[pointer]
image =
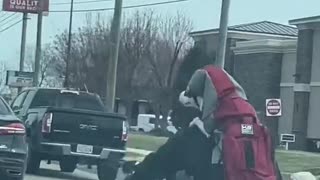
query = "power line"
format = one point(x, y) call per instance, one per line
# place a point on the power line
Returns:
point(126, 7)
point(81, 2)
point(8, 17)
point(2, 23)
point(12, 25)
point(2, 14)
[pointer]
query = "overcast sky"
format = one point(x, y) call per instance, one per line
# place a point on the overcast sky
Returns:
point(204, 14)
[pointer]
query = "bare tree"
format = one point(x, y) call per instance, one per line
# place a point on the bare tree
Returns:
point(151, 50)
point(169, 47)
point(165, 55)
point(89, 52)
point(49, 66)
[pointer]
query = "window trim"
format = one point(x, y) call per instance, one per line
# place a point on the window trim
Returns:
point(93, 97)
point(28, 93)
point(20, 106)
point(6, 105)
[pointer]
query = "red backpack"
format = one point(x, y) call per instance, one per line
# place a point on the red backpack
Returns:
point(247, 151)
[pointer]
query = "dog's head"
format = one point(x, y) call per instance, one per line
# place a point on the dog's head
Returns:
point(191, 101)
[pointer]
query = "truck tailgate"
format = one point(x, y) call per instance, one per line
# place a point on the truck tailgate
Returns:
point(86, 127)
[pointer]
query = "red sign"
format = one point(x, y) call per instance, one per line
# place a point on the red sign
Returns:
point(27, 6)
point(273, 107)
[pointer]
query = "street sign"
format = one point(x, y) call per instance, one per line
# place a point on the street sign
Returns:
point(19, 79)
point(287, 138)
point(273, 107)
point(26, 6)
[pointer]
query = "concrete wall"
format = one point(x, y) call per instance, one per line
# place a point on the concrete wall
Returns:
point(289, 61)
point(260, 74)
point(261, 67)
point(208, 42)
point(314, 104)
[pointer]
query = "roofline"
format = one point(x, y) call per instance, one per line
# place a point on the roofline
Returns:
point(306, 20)
point(265, 45)
point(216, 31)
point(204, 31)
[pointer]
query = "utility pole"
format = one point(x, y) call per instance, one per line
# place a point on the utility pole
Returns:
point(66, 80)
point(38, 49)
point(23, 42)
point(223, 32)
point(113, 59)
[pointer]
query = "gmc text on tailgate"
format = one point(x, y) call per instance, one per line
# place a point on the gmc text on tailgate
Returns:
point(71, 127)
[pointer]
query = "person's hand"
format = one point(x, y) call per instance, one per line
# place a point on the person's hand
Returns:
point(199, 123)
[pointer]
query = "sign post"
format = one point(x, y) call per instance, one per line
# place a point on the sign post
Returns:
point(19, 78)
point(273, 107)
point(287, 138)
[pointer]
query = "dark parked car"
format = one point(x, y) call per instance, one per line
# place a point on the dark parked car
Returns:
point(71, 127)
point(13, 146)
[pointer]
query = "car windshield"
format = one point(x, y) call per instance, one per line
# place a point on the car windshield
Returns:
point(55, 98)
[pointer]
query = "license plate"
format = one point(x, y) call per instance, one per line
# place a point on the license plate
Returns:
point(84, 149)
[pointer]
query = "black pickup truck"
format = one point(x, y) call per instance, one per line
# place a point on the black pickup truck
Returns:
point(69, 127)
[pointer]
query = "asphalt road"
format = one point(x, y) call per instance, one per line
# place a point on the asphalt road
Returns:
point(52, 172)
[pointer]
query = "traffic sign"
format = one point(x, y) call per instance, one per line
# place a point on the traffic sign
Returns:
point(26, 6)
point(19, 79)
point(287, 138)
point(273, 107)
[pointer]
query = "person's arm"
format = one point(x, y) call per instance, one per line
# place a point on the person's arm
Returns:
point(188, 150)
point(167, 160)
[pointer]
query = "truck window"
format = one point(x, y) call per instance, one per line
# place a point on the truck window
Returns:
point(152, 120)
point(4, 109)
point(17, 103)
point(54, 98)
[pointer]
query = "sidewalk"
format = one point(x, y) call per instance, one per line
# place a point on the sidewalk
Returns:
point(138, 151)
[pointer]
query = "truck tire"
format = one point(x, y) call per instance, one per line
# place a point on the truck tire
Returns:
point(33, 162)
point(68, 164)
point(107, 171)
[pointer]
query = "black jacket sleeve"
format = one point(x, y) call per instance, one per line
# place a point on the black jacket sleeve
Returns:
point(188, 150)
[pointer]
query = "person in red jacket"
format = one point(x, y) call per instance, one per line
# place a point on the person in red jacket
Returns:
point(227, 128)
point(244, 145)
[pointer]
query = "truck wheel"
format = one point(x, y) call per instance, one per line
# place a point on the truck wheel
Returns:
point(68, 164)
point(33, 162)
point(107, 171)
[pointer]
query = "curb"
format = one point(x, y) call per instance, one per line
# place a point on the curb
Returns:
point(138, 151)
